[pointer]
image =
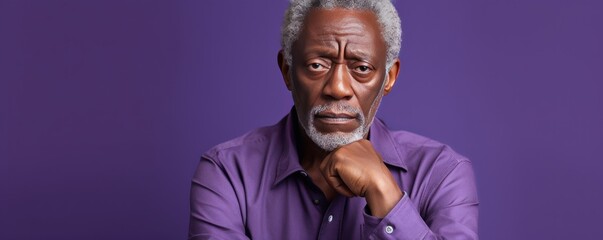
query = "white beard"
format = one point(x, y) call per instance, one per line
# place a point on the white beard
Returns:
point(331, 141)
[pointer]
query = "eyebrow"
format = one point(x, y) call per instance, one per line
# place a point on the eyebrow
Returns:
point(360, 54)
point(329, 52)
point(322, 51)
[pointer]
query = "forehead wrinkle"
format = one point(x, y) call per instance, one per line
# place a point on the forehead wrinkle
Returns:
point(348, 44)
point(333, 37)
point(358, 53)
point(349, 29)
point(342, 46)
point(321, 47)
point(328, 42)
point(340, 49)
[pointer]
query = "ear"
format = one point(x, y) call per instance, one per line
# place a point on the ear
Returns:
point(284, 67)
point(392, 75)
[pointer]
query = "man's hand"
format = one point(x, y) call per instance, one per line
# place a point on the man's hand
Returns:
point(357, 169)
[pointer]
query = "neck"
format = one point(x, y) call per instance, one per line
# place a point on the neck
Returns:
point(310, 158)
point(310, 154)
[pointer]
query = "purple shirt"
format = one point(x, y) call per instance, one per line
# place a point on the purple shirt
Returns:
point(253, 187)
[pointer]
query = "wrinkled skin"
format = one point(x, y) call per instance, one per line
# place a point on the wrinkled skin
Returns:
point(340, 56)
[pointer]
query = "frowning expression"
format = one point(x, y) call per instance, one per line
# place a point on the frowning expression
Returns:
point(338, 73)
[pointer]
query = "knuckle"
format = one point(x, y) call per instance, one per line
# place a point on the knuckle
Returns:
point(338, 154)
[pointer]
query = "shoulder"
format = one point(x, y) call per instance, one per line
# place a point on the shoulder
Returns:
point(435, 169)
point(254, 137)
point(414, 147)
point(256, 145)
point(423, 156)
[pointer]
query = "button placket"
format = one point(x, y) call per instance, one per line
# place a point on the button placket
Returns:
point(330, 227)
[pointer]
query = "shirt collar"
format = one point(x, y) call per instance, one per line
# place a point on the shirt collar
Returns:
point(288, 162)
point(384, 144)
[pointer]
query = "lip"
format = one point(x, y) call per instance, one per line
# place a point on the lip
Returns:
point(335, 118)
point(335, 115)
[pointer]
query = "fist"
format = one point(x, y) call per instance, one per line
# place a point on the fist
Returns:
point(357, 169)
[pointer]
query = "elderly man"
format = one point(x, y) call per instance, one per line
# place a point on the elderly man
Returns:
point(329, 169)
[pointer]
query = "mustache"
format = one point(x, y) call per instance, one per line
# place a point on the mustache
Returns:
point(338, 107)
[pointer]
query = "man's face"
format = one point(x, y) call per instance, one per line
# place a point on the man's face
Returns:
point(338, 75)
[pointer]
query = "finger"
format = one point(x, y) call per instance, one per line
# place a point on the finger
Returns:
point(336, 183)
point(329, 172)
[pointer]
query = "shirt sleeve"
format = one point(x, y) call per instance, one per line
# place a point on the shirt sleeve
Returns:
point(452, 212)
point(215, 212)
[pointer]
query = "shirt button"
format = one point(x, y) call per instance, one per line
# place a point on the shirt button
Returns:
point(330, 218)
point(389, 229)
point(304, 173)
point(316, 201)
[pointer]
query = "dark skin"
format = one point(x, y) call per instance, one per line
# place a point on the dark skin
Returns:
point(340, 56)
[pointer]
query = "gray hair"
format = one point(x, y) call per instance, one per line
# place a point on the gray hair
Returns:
point(386, 13)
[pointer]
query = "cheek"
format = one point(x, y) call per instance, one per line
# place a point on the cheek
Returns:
point(375, 106)
point(369, 105)
point(369, 98)
point(305, 92)
point(364, 91)
point(301, 99)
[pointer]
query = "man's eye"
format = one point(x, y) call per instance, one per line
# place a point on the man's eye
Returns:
point(363, 69)
point(316, 66)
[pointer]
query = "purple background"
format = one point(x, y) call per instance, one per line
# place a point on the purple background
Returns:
point(106, 107)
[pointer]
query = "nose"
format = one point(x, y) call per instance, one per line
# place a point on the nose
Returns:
point(338, 84)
